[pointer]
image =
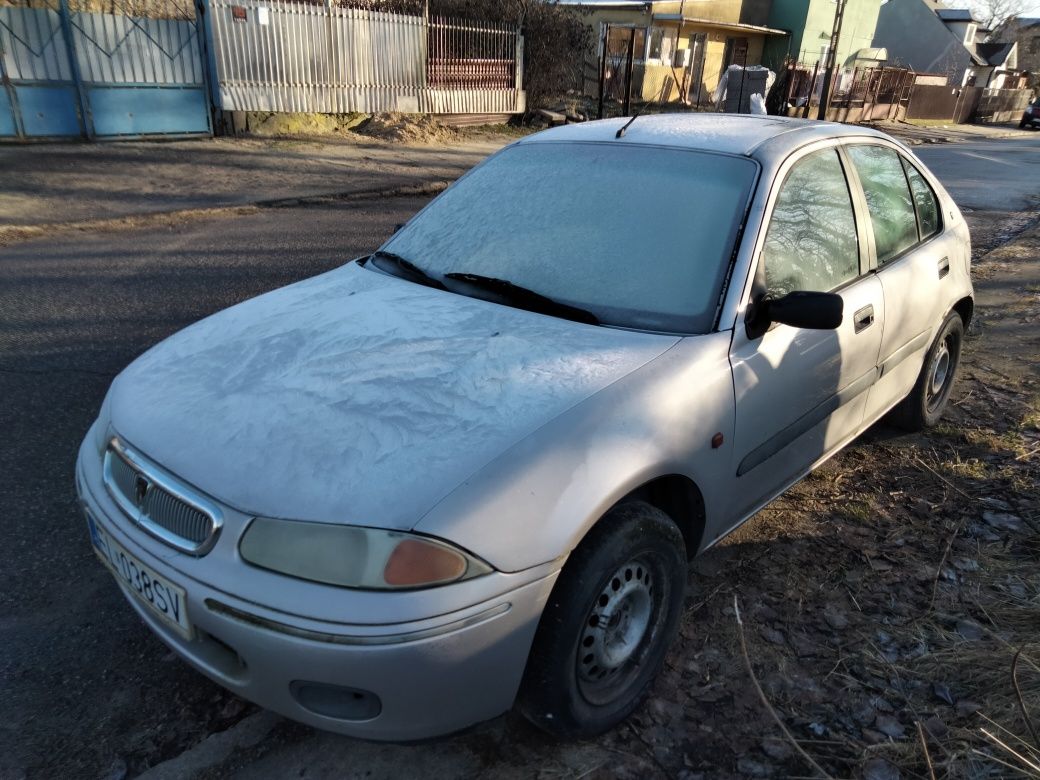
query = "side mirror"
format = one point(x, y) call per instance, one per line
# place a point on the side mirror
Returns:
point(810, 310)
point(398, 226)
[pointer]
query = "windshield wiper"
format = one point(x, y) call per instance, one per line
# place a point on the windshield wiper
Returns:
point(523, 298)
point(406, 269)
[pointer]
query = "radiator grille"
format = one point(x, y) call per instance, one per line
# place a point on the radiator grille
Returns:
point(154, 500)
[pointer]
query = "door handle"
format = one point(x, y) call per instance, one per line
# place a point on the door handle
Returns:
point(944, 267)
point(863, 318)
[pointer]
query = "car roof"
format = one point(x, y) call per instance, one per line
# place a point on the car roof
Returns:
point(746, 134)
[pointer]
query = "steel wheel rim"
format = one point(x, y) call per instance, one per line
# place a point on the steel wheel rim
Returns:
point(618, 629)
point(940, 374)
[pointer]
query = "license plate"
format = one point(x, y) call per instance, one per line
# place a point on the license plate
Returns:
point(167, 601)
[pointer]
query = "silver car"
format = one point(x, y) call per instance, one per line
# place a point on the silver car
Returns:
point(469, 470)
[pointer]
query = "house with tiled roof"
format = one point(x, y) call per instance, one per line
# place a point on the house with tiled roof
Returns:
point(930, 37)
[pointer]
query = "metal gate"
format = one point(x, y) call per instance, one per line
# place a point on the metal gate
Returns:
point(619, 79)
point(101, 69)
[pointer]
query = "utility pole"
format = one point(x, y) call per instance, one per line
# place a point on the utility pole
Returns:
point(832, 55)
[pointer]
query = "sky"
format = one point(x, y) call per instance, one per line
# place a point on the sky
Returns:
point(1029, 7)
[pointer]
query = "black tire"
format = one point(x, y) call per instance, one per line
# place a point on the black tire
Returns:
point(1022, 125)
point(927, 401)
point(632, 568)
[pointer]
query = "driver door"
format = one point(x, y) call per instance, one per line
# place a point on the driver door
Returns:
point(800, 394)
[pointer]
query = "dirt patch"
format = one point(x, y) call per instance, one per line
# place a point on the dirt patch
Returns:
point(393, 128)
point(408, 129)
point(993, 229)
point(282, 124)
point(13, 234)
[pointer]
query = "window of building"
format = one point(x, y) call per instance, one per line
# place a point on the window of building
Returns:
point(656, 39)
point(662, 41)
point(618, 41)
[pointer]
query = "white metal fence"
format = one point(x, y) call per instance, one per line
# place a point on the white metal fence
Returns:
point(274, 55)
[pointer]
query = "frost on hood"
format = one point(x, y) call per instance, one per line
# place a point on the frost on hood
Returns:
point(356, 397)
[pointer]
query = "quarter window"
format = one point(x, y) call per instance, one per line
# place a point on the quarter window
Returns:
point(811, 244)
point(888, 199)
point(924, 199)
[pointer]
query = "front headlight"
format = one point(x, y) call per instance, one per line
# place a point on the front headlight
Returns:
point(355, 557)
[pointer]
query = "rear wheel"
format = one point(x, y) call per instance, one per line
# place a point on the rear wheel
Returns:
point(927, 401)
point(608, 624)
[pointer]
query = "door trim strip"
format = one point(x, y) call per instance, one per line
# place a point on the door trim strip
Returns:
point(806, 422)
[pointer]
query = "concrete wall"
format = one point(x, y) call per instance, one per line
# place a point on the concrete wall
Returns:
point(916, 38)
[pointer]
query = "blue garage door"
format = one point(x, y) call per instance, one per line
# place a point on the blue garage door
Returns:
point(73, 70)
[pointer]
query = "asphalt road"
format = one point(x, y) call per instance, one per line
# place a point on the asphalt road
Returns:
point(988, 175)
point(86, 689)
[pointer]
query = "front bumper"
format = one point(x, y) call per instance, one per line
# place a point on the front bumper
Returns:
point(389, 680)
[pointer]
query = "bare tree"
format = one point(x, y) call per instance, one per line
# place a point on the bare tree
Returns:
point(995, 14)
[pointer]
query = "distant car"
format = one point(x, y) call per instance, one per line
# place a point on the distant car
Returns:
point(1031, 116)
point(469, 469)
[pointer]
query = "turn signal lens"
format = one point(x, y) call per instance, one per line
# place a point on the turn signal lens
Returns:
point(355, 557)
point(415, 562)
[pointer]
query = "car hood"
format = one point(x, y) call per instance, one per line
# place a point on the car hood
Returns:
point(358, 397)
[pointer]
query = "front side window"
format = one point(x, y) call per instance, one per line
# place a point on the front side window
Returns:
point(925, 200)
point(639, 236)
point(888, 199)
point(811, 244)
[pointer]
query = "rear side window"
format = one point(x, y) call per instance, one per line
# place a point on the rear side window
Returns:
point(811, 244)
point(925, 200)
point(888, 199)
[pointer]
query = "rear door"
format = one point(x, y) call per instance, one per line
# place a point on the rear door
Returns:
point(800, 393)
point(913, 256)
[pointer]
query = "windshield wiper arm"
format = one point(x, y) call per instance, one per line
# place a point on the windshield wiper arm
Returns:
point(406, 269)
point(526, 299)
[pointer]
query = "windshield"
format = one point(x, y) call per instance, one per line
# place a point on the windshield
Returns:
point(639, 236)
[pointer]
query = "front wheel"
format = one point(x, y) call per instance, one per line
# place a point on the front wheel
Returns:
point(927, 401)
point(608, 624)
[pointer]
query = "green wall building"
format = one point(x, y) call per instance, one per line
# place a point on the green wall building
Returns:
point(811, 22)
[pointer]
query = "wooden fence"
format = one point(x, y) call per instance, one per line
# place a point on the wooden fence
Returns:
point(856, 95)
point(964, 104)
point(881, 92)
